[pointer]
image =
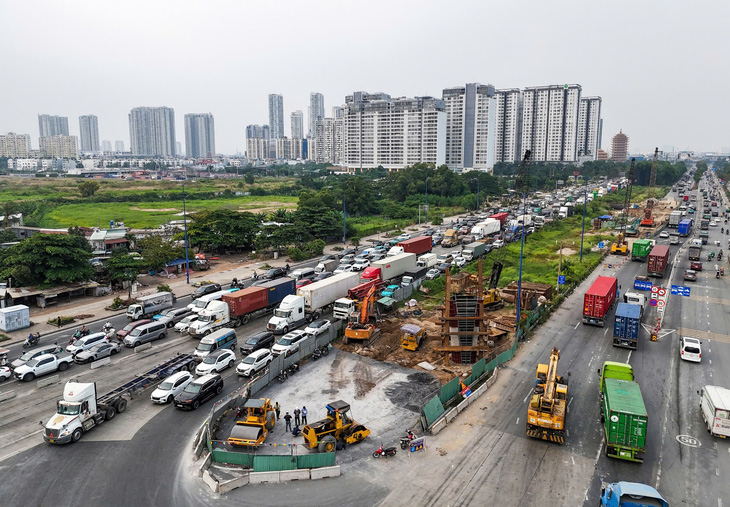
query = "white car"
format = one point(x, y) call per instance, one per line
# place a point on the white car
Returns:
point(456, 253)
point(360, 265)
point(254, 362)
point(170, 387)
point(172, 316)
point(432, 274)
point(342, 268)
point(664, 234)
point(184, 325)
point(690, 350)
point(289, 343)
point(216, 362)
point(404, 236)
point(713, 224)
point(460, 261)
point(5, 373)
point(498, 244)
point(318, 327)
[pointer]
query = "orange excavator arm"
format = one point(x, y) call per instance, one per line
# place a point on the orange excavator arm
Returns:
point(366, 304)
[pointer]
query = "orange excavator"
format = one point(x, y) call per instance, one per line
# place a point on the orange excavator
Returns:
point(359, 328)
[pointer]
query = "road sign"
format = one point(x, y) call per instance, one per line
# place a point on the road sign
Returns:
point(653, 302)
point(600, 244)
point(662, 291)
point(654, 289)
point(681, 290)
point(561, 280)
point(642, 285)
point(660, 303)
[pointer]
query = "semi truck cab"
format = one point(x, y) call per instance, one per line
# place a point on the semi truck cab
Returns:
point(289, 315)
point(74, 413)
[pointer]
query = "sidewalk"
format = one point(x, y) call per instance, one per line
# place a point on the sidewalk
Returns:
point(96, 307)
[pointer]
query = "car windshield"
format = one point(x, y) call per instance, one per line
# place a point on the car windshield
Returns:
point(206, 318)
point(210, 360)
point(200, 303)
point(204, 347)
point(26, 356)
point(316, 324)
point(192, 388)
point(249, 360)
point(285, 341)
point(165, 386)
point(32, 362)
point(136, 332)
point(129, 327)
point(65, 408)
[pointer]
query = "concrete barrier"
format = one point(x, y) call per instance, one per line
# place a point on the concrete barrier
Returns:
point(205, 464)
point(440, 424)
point(7, 395)
point(462, 406)
point(143, 347)
point(210, 481)
point(230, 485)
point(101, 362)
point(53, 379)
point(321, 473)
point(294, 475)
point(450, 415)
point(260, 477)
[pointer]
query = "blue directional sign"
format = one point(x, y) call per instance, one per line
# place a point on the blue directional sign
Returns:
point(680, 290)
point(600, 244)
point(561, 280)
point(642, 285)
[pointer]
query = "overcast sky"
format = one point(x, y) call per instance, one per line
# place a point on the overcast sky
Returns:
point(661, 66)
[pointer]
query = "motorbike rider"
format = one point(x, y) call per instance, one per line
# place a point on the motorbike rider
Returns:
point(84, 330)
point(255, 275)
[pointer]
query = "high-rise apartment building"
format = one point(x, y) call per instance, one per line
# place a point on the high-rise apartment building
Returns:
point(257, 142)
point(316, 110)
point(106, 146)
point(393, 133)
point(589, 127)
point(60, 146)
point(199, 135)
point(152, 131)
point(276, 115)
point(89, 128)
point(297, 125)
point(471, 114)
point(550, 122)
point(324, 145)
point(119, 146)
point(258, 131)
point(620, 147)
point(14, 145)
point(282, 148)
point(509, 125)
point(51, 125)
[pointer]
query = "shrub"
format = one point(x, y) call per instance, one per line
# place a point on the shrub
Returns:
point(65, 319)
point(163, 287)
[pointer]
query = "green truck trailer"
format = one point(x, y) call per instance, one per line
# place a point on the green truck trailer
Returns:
point(640, 250)
point(623, 413)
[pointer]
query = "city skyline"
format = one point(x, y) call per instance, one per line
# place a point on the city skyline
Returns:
point(636, 102)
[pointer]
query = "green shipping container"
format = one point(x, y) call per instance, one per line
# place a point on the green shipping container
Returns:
point(640, 249)
point(625, 420)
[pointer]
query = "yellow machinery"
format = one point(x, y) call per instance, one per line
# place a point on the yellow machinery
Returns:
point(337, 426)
point(547, 410)
point(648, 220)
point(260, 419)
point(621, 247)
point(412, 337)
point(361, 329)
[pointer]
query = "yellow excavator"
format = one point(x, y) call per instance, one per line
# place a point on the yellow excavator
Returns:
point(548, 403)
point(621, 246)
point(359, 328)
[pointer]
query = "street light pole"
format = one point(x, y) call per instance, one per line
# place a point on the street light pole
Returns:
point(426, 201)
point(583, 228)
point(478, 192)
point(185, 221)
point(522, 249)
point(344, 215)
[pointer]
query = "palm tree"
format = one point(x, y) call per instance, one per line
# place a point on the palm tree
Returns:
point(9, 208)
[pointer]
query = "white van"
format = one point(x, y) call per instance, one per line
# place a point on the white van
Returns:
point(690, 350)
point(201, 303)
point(427, 261)
point(86, 342)
point(300, 273)
point(396, 250)
point(715, 408)
point(222, 339)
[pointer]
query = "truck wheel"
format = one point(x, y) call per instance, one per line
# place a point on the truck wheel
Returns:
point(206, 333)
point(76, 435)
point(270, 420)
point(110, 413)
point(121, 405)
point(63, 367)
point(246, 319)
point(285, 330)
point(28, 377)
point(328, 444)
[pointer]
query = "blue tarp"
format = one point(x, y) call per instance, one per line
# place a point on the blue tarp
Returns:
point(605, 217)
point(177, 262)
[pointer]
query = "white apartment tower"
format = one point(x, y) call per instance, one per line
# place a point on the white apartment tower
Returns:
point(14, 145)
point(471, 114)
point(509, 125)
point(152, 131)
point(297, 125)
point(89, 128)
point(52, 125)
point(199, 135)
point(324, 149)
point(589, 127)
point(550, 122)
point(60, 146)
point(316, 110)
point(393, 133)
point(276, 115)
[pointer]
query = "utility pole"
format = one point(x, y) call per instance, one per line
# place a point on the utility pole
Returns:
point(185, 221)
point(344, 214)
point(426, 201)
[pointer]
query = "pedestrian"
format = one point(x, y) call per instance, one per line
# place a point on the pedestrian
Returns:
point(304, 415)
point(277, 408)
point(287, 418)
point(58, 321)
point(297, 412)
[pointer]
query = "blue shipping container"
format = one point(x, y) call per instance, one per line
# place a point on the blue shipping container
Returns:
point(626, 326)
point(279, 289)
point(684, 227)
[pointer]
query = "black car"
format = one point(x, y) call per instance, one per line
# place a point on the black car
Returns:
point(347, 251)
point(444, 266)
point(328, 257)
point(199, 391)
point(429, 232)
point(206, 289)
point(274, 273)
point(322, 276)
point(262, 340)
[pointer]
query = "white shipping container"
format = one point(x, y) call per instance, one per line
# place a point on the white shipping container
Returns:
point(13, 318)
point(325, 292)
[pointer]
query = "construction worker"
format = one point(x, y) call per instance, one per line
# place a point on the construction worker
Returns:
point(277, 409)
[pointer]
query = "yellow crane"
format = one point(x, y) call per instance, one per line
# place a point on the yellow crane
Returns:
point(548, 404)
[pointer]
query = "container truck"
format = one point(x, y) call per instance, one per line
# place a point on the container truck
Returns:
point(704, 224)
point(658, 261)
point(81, 408)
point(346, 306)
point(674, 218)
point(328, 265)
point(419, 245)
point(246, 302)
point(630, 494)
point(389, 268)
point(695, 250)
point(147, 306)
point(310, 301)
point(213, 317)
point(685, 227)
point(451, 239)
point(598, 300)
point(413, 276)
point(474, 251)
point(486, 228)
point(624, 419)
point(502, 217)
point(715, 409)
point(427, 261)
point(626, 325)
point(640, 250)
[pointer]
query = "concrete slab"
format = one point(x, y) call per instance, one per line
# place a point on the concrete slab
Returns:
point(427, 366)
point(101, 362)
point(226, 486)
point(450, 415)
point(7, 395)
point(321, 473)
point(294, 475)
point(462, 406)
point(441, 424)
point(143, 347)
point(210, 481)
point(53, 379)
point(205, 464)
point(261, 477)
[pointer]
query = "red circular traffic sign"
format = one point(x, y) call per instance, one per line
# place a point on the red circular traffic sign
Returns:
point(654, 288)
point(653, 302)
point(662, 292)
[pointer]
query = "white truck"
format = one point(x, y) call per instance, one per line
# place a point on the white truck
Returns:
point(635, 298)
point(42, 365)
point(715, 408)
point(81, 409)
point(328, 265)
point(147, 306)
point(427, 261)
point(486, 228)
point(674, 218)
point(310, 301)
point(213, 317)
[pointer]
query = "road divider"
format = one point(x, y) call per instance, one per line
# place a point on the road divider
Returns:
point(7, 395)
point(142, 348)
point(101, 362)
point(53, 379)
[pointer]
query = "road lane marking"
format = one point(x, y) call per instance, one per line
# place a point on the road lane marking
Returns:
point(528, 395)
point(517, 421)
point(576, 326)
point(606, 331)
point(573, 460)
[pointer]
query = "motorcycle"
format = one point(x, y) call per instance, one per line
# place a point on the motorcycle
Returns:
point(717, 274)
point(385, 452)
point(293, 368)
point(405, 442)
point(255, 276)
point(282, 376)
point(79, 333)
point(109, 331)
point(32, 340)
point(320, 351)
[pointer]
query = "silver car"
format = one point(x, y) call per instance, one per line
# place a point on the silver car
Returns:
point(97, 352)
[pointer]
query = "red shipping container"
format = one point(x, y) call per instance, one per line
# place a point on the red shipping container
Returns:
point(418, 246)
point(500, 216)
point(598, 300)
point(245, 301)
point(658, 261)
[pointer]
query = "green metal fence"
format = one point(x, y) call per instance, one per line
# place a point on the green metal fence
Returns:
point(432, 410)
point(449, 390)
point(318, 460)
point(233, 458)
point(274, 463)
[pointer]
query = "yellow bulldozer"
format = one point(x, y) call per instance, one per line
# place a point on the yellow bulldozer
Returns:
point(338, 426)
point(412, 336)
point(260, 419)
point(547, 410)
